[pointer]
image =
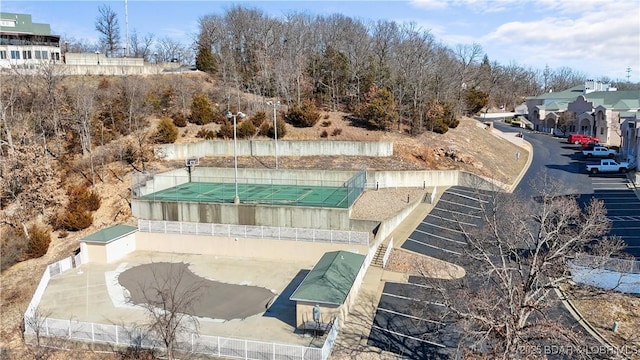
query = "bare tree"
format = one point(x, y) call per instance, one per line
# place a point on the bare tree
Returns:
point(39, 345)
point(83, 107)
point(564, 78)
point(141, 46)
point(28, 183)
point(8, 98)
point(109, 29)
point(169, 293)
point(169, 49)
point(515, 260)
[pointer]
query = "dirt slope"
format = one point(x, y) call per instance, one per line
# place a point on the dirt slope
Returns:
point(467, 147)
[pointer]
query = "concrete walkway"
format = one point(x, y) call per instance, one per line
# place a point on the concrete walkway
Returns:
point(352, 341)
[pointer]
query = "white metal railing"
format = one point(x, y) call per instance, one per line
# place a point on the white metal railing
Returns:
point(606, 263)
point(51, 270)
point(194, 343)
point(124, 336)
point(387, 253)
point(606, 273)
point(259, 232)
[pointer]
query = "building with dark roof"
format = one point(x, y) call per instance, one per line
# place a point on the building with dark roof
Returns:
point(24, 43)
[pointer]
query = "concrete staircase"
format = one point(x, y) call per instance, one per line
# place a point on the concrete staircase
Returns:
point(377, 258)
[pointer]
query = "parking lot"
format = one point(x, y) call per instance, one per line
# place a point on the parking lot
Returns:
point(409, 320)
point(623, 208)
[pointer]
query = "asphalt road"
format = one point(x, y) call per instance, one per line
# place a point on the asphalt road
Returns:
point(409, 320)
point(564, 164)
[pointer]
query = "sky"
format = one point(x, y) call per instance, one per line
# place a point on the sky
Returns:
point(599, 38)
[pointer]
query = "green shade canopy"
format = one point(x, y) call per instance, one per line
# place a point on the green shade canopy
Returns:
point(331, 279)
point(109, 234)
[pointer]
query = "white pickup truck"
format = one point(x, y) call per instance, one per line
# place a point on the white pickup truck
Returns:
point(599, 151)
point(607, 165)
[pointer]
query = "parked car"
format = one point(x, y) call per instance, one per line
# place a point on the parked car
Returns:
point(607, 165)
point(600, 151)
point(581, 139)
point(589, 145)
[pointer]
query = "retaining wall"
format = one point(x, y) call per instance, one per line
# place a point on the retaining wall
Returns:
point(242, 214)
point(427, 179)
point(252, 248)
point(245, 175)
point(267, 148)
point(266, 215)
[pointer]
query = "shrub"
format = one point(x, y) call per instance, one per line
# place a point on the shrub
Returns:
point(264, 129)
point(77, 215)
point(179, 120)
point(226, 131)
point(39, 240)
point(201, 110)
point(219, 118)
point(326, 124)
point(206, 134)
point(336, 132)
point(75, 220)
point(129, 154)
point(258, 118)
point(440, 127)
point(246, 129)
point(267, 129)
point(324, 134)
point(282, 129)
point(83, 198)
point(452, 122)
point(305, 116)
point(166, 132)
point(153, 102)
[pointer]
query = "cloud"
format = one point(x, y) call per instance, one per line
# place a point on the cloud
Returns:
point(430, 4)
point(601, 35)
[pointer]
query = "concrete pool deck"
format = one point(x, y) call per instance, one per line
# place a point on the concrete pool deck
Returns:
point(91, 293)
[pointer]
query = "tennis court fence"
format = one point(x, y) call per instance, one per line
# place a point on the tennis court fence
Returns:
point(292, 189)
point(256, 232)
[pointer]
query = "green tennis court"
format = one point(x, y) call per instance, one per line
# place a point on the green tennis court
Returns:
point(268, 194)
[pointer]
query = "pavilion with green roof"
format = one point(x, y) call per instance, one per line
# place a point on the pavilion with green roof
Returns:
point(108, 244)
point(329, 286)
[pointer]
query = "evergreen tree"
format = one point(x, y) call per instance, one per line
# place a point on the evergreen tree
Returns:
point(201, 110)
point(379, 109)
point(205, 60)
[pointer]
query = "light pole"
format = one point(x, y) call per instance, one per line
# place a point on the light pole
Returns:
point(98, 56)
point(275, 126)
point(236, 198)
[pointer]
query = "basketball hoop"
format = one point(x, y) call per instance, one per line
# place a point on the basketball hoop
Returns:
point(190, 163)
